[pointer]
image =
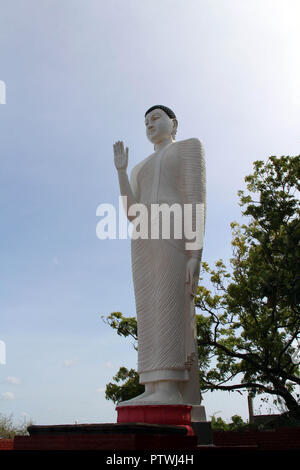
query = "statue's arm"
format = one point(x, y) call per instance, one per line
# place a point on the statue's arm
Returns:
point(121, 162)
point(194, 191)
point(194, 194)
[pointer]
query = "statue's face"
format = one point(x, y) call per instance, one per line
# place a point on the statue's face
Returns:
point(158, 126)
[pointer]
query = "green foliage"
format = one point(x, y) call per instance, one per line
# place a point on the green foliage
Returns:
point(130, 387)
point(250, 318)
point(9, 429)
point(237, 424)
point(125, 326)
point(218, 424)
point(126, 382)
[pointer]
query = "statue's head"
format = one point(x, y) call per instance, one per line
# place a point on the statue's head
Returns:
point(160, 123)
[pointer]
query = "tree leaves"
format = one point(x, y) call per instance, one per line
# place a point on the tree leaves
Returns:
point(252, 323)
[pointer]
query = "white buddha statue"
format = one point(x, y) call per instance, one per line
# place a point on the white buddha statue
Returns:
point(165, 272)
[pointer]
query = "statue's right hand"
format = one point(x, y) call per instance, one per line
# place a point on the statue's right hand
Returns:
point(121, 156)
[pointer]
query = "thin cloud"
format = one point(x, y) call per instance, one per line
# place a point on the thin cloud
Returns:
point(70, 362)
point(7, 396)
point(12, 380)
point(109, 364)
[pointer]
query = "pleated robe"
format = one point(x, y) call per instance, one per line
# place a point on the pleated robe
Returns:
point(167, 348)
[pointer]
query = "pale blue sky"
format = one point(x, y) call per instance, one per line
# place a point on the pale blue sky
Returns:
point(79, 76)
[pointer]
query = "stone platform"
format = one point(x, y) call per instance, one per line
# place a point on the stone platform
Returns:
point(109, 436)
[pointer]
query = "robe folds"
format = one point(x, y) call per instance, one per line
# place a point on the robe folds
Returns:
point(167, 348)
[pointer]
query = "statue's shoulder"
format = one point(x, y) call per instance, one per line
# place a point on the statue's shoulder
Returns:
point(194, 140)
point(193, 145)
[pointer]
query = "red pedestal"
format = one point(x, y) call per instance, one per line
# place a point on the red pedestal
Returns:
point(174, 415)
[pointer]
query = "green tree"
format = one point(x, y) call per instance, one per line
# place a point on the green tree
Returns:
point(129, 387)
point(126, 382)
point(9, 429)
point(237, 424)
point(218, 424)
point(248, 320)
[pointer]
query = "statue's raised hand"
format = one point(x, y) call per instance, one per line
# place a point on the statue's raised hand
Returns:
point(121, 156)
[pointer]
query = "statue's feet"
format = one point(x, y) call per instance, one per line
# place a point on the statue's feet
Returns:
point(149, 390)
point(163, 392)
point(166, 393)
